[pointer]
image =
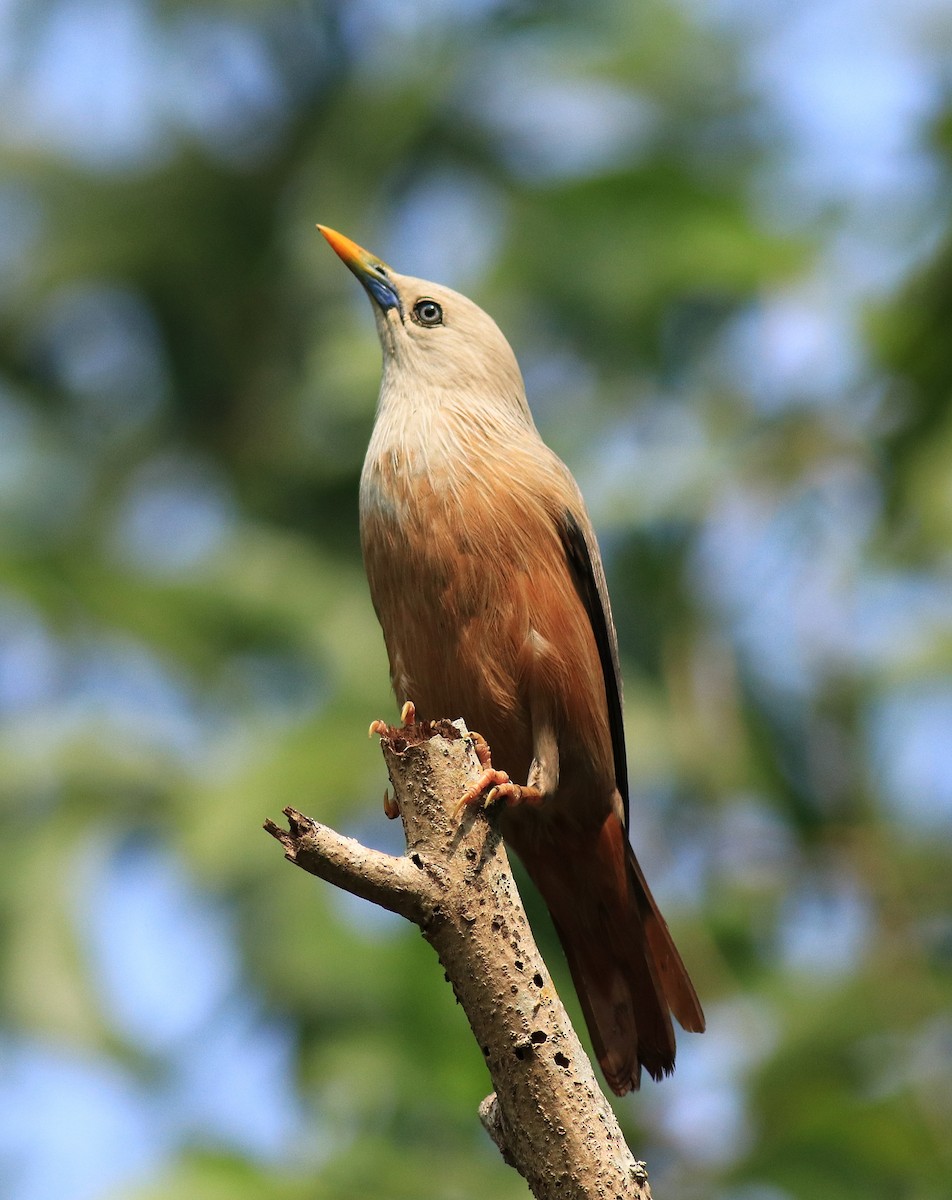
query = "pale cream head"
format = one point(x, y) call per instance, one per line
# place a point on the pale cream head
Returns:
point(434, 336)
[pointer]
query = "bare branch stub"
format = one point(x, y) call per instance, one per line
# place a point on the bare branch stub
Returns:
point(550, 1119)
point(396, 884)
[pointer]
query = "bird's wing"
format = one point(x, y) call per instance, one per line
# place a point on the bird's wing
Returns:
point(585, 564)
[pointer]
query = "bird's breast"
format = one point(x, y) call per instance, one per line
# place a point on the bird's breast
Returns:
point(480, 616)
point(446, 547)
point(426, 523)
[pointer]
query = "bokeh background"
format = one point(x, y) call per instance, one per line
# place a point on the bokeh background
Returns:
point(718, 236)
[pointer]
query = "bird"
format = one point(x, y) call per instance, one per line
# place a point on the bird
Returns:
point(487, 580)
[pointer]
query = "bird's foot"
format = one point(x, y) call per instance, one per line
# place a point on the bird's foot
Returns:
point(391, 806)
point(493, 787)
point(481, 746)
point(485, 791)
point(407, 720)
point(510, 793)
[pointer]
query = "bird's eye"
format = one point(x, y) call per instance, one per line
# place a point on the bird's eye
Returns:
point(427, 312)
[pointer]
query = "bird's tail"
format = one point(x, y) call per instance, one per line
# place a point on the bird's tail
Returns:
point(627, 971)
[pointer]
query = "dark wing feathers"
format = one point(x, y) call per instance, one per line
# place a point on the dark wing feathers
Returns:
point(589, 578)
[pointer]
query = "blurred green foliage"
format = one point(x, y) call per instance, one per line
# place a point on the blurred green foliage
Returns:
point(187, 382)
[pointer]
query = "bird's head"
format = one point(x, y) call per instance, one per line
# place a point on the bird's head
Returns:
point(432, 335)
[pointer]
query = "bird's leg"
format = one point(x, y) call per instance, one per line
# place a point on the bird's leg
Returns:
point(494, 787)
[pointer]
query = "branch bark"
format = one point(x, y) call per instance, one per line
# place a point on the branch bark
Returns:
point(547, 1114)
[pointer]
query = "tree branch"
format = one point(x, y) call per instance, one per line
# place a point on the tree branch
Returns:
point(401, 885)
point(548, 1115)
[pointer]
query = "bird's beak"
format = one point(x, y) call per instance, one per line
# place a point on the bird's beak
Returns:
point(372, 271)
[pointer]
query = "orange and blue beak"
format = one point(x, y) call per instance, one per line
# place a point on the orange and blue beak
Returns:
point(372, 271)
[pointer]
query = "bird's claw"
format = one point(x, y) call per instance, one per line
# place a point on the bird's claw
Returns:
point(482, 793)
point(513, 793)
point(407, 718)
point(493, 787)
point(481, 746)
point(391, 805)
